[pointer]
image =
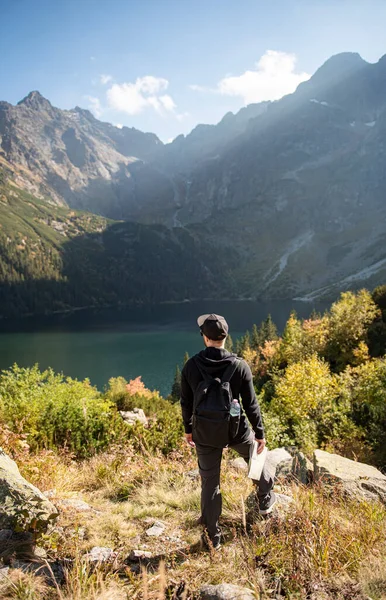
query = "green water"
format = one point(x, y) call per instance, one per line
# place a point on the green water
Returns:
point(143, 341)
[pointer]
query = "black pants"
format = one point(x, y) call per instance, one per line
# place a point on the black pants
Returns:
point(209, 464)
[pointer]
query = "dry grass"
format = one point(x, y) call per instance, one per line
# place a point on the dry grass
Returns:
point(323, 548)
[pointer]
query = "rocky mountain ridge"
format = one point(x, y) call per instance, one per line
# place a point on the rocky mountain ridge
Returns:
point(295, 187)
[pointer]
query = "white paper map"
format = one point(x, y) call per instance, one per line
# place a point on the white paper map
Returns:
point(256, 462)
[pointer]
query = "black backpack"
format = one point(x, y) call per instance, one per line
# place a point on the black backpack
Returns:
point(212, 423)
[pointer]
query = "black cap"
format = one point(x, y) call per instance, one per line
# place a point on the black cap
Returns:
point(213, 326)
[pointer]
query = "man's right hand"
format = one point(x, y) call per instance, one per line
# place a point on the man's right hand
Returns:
point(189, 439)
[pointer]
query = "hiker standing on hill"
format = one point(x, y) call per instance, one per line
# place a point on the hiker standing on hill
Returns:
point(212, 382)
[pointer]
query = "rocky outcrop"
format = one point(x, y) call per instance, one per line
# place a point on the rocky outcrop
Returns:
point(22, 505)
point(136, 415)
point(355, 478)
point(76, 160)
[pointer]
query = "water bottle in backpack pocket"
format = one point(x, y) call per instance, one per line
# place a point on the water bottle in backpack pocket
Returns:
point(234, 413)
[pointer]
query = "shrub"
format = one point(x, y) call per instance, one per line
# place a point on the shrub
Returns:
point(306, 402)
point(57, 412)
point(365, 387)
point(350, 318)
point(164, 431)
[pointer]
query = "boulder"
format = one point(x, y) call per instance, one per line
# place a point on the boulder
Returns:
point(133, 416)
point(239, 464)
point(225, 591)
point(22, 505)
point(354, 477)
point(279, 463)
point(302, 468)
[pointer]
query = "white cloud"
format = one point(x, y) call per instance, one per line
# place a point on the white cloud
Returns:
point(118, 125)
point(105, 79)
point(145, 92)
point(94, 106)
point(273, 77)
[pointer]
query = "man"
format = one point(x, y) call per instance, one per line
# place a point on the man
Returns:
point(213, 362)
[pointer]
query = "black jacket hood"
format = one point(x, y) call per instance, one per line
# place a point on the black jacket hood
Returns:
point(212, 360)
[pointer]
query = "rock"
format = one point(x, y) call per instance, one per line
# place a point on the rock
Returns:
point(302, 468)
point(75, 503)
point(99, 554)
point(195, 474)
point(5, 535)
point(279, 461)
point(355, 478)
point(283, 501)
point(40, 552)
point(4, 572)
point(52, 573)
point(50, 494)
point(137, 555)
point(239, 464)
point(133, 416)
point(225, 591)
point(19, 543)
point(156, 530)
point(17, 494)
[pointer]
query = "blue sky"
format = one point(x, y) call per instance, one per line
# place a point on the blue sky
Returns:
point(167, 65)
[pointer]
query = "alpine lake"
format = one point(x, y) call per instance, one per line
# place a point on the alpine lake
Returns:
point(146, 341)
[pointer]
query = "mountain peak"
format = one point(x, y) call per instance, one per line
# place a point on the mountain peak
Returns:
point(338, 66)
point(35, 101)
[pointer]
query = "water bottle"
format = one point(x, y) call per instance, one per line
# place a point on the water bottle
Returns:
point(235, 408)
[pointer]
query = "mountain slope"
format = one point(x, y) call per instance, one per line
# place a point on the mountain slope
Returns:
point(78, 161)
point(56, 259)
point(291, 192)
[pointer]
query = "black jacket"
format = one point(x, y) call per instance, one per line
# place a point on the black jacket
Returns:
point(214, 361)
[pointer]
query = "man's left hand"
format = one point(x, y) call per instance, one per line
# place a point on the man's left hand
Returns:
point(260, 446)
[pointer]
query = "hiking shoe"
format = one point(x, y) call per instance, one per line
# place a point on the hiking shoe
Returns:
point(267, 503)
point(208, 544)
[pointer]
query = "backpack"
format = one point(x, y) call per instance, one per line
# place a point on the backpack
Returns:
point(212, 424)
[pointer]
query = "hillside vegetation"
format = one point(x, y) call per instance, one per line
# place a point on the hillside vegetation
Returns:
point(56, 259)
point(321, 384)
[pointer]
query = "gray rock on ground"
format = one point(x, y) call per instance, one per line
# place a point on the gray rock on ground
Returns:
point(73, 503)
point(133, 416)
point(239, 464)
point(357, 479)
point(156, 530)
point(17, 493)
point(52, 571)
point(225, 591)
point(194, 474)
point(138, 555)
point(279, 462)
point(100, 554)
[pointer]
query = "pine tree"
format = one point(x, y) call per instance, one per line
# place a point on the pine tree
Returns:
point(270, 330)
point(186, 358)
point(229, 344)
point(255, 337)
point(176, 387)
